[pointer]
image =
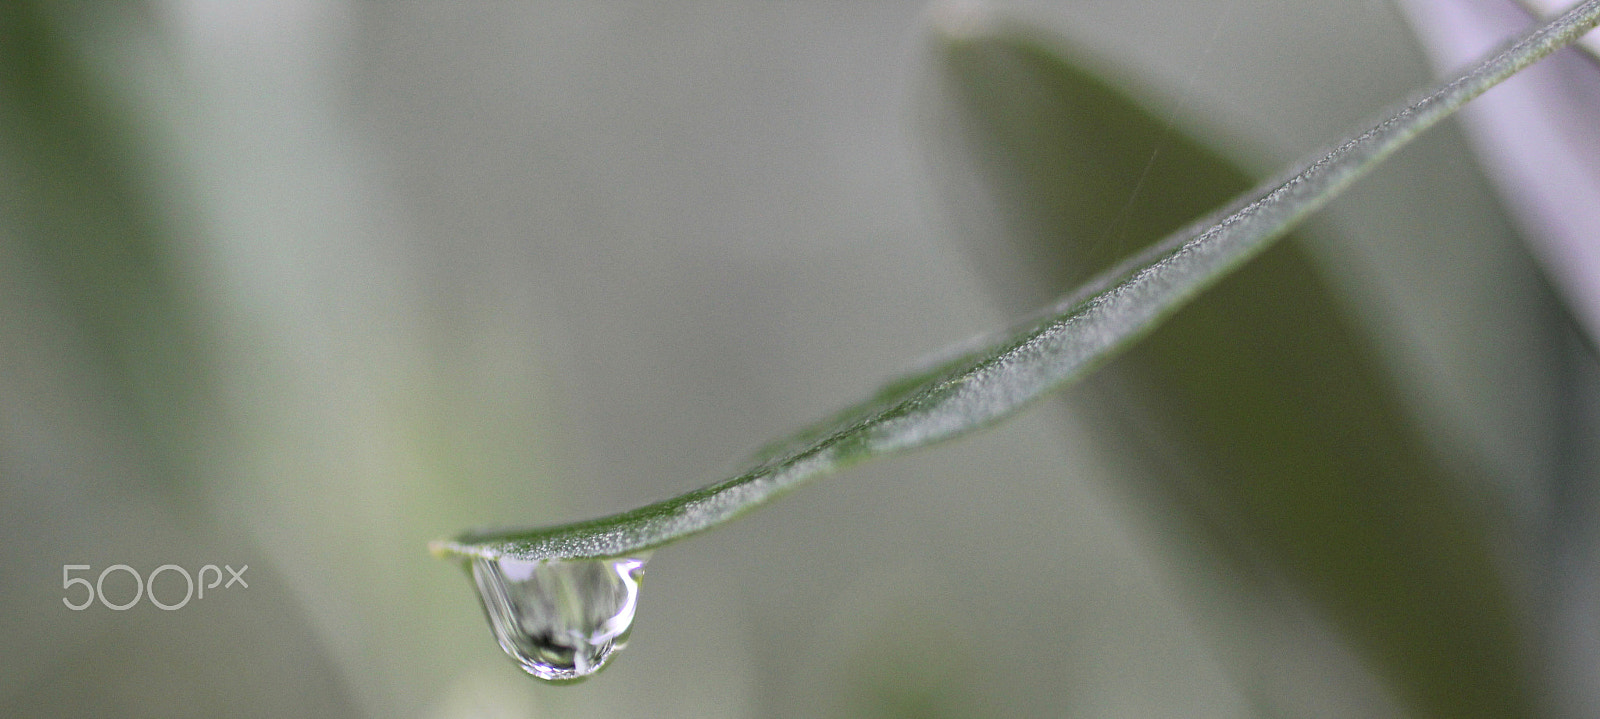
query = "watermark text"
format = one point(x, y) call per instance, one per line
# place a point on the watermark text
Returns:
point(173, 577)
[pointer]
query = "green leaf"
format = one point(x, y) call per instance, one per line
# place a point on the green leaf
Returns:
point(1294, 459)
point(1065, 341)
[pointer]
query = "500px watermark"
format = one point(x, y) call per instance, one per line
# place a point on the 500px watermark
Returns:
point(145, 587)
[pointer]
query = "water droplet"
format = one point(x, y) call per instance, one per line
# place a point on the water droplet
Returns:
point(560, 620)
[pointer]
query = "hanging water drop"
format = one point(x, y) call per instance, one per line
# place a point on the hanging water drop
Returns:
point(560, 620)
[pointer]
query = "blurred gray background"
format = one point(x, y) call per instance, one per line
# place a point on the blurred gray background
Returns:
point(523, 263)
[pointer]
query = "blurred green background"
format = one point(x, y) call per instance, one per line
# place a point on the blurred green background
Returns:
point(304, 285)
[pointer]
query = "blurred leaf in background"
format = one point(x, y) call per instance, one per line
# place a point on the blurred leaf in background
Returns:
point(1536, 138)
point(1268, 429)
point(112, 425)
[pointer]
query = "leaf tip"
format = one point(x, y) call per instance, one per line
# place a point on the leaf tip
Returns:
point(445, 549)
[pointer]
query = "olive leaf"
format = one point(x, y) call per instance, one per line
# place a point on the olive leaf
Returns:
point(984, 382)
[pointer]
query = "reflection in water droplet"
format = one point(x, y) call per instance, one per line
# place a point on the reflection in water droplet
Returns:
point(560, 620)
